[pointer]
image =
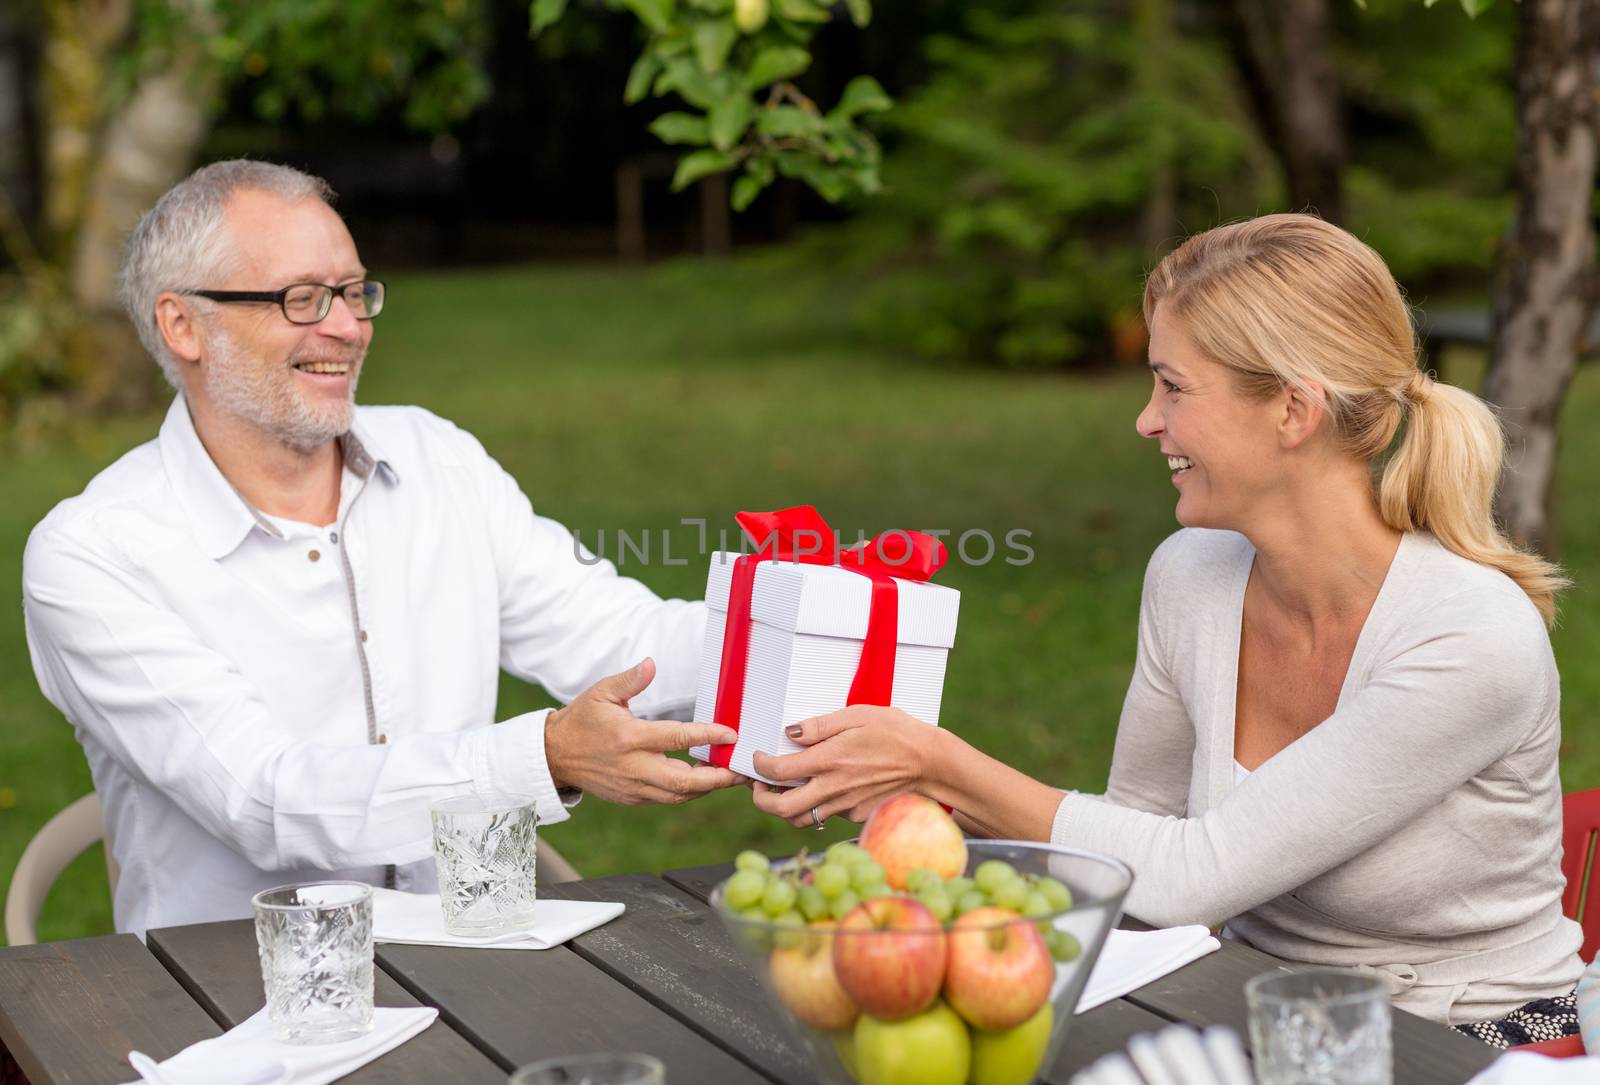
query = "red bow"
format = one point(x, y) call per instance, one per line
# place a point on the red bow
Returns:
point(801, 535)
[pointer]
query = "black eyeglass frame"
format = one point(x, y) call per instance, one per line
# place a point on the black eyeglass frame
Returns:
point(281, 298)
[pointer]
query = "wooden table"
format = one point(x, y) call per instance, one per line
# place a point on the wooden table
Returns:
point(664, 978)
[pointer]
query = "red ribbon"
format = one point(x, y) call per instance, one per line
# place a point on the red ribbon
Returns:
point(801, 535)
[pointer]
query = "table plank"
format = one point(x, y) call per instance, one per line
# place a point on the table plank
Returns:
point(1104, 1029)
point(218, 965)
point(674, 951)
point(71, 1011)
point(517, 1006)
point(1211, 992)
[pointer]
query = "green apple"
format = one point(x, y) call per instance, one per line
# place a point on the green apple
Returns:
point(1011, 1057)
point(928, 1048)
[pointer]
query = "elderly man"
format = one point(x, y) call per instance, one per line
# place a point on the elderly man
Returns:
point(277, 627)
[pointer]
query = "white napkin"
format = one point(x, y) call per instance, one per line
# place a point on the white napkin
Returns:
point(249, 1054)
point(1132, 959)
point(415, 919)
point(1532, 1068)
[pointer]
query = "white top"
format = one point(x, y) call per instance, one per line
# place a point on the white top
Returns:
point(1415, 831)
point(1239, 773)
point(267, 702)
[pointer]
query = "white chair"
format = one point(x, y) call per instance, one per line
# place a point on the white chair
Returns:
point(64, 837)
point(79, 827)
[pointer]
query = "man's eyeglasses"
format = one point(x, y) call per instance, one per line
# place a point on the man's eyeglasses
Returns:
point(308, 303)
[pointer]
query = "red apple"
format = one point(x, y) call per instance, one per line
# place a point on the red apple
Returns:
point(889, 956)
point(999, 969)
point(910, 831)
point(802, 975)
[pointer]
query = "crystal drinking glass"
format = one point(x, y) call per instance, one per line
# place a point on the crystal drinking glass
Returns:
point(1320, 1027)
point(315, 943)
point(485, 853)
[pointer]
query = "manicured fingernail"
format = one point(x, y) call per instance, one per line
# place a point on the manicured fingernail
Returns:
point(794, 730)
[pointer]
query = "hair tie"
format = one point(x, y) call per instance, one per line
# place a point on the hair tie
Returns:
point(1418, 387)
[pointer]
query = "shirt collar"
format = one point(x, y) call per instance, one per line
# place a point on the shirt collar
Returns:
point(221, 517)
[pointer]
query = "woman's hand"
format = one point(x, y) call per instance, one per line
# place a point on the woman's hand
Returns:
point(856, 758)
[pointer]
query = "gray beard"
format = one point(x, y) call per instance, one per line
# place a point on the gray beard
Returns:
point(265, 397)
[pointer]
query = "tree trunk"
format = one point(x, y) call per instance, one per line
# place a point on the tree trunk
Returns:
point(1282, 47)
point(1545, 282)
point(17, 168)
point(149, 145)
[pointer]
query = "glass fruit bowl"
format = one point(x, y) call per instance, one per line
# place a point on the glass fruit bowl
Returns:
point(965, 976)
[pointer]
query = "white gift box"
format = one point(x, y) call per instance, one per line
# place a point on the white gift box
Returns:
point(807, 625)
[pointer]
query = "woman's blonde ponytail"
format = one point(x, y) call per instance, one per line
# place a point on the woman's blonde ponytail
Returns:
point(1441, 479)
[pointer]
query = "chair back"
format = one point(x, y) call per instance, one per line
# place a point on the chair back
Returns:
point(1580, 816)
point(73, 831)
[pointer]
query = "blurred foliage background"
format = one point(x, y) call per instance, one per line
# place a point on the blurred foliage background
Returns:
point(925, 316)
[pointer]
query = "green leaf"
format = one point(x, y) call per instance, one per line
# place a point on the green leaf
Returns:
point(693, 85)
point(544, 13)
point(802, 11)
point(778, 62)
point(1475, 8)
point(729, 118)
point(700, 164)
point(681, 128)
point(655, 14)
point(643, 73)
point(860, 12)
point(861, 95)
point(745, 191)
point(789, 122)
point(712, 7)
point(712, 40)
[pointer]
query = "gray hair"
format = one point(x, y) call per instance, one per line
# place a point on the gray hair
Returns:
point(182, 242)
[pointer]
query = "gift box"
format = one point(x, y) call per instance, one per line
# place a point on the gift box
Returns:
point(822, 627)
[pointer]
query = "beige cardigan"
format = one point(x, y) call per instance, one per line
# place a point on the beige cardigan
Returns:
point(1416, 831)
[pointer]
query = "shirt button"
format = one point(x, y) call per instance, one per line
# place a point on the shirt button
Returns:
point(383, 740)
point(314, 555)
point(363, 636)
point(333, 537)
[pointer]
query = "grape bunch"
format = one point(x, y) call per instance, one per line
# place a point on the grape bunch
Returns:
point(829, 886)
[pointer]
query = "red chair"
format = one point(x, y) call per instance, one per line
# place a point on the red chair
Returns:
point(1580, 816)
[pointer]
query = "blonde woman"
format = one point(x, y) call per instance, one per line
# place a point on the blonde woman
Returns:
point(1341, 733)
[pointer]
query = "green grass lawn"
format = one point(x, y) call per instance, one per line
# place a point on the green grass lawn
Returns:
point(629, 400)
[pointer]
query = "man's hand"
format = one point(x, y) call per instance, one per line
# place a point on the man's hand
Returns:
point(595, 743)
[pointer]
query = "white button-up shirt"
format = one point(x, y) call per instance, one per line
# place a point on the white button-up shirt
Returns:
point(265, 702)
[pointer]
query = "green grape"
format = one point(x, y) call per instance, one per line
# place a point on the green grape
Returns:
point(779, 897)
point(1035, 905)
point(844, 903)
point(831, 879)
point(793, 932)
point(813, 905)
point(846, 853)
point(971, 899)
point(956, 887)
point(1063, 946)
point(921, 879)
point(865, 874)
point(753, 861)
point(1059, 896)
point(744, 890)
point(939, 903)
point(1011, 895)
point(993, 873)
